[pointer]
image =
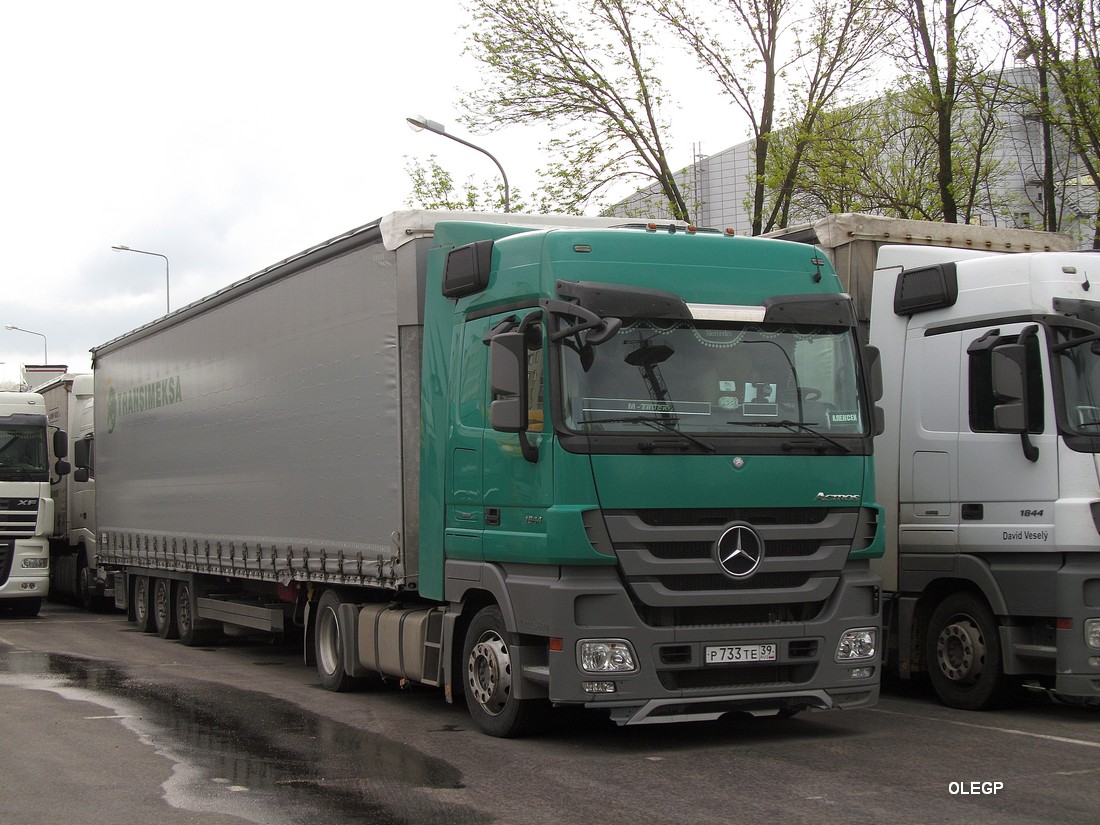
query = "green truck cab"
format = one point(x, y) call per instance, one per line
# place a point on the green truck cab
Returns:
point(648, 454)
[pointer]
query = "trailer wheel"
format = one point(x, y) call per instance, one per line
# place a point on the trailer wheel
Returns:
point(329, 641)
point(187, 617)
point(963, 653)
point(143, 604)
point(489, 680)
point(164, 609)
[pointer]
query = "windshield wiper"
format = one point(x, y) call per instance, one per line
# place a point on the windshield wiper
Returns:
point(655, 423)
point(1075, 342)
point(795, 427)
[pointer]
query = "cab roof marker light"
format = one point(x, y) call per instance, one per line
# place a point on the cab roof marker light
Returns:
point(727, 312)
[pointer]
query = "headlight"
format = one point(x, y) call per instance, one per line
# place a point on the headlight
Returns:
point(857, 643)
point(35, 564)
point(606, 656)
point(1092, 633)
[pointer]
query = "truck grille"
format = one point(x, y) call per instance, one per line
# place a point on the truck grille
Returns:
point(18, 517)
point(668, 560)
point(741, 677)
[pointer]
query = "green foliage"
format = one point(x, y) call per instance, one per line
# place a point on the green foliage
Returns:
point(882, 156)
point(434, 188)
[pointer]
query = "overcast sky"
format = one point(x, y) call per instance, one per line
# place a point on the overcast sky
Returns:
point(224, 135)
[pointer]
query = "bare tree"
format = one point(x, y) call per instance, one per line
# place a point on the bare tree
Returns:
point(771, 54)
point(937, 42)
point(1060, 38)
point(589, 73)
point(749, 72)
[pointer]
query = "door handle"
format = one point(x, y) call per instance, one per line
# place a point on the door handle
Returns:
point(492, 516)
point(973, 512)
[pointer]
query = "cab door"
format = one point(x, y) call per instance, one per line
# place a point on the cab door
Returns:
point(1008, 481)
point(465, 512)
point(518, 492)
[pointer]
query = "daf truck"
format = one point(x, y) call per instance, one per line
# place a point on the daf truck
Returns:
point(74, 573)
point(26, 507)
point(988, 465)
point(530, 461)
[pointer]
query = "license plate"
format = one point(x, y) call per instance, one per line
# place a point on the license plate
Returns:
point(734, 654)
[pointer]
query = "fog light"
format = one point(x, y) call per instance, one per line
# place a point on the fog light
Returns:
point(1094, 661)
point(1092, 633)
point(862, 672)
point(606, 656)
point(857, 643)
point(598, 687)
point(35, 564)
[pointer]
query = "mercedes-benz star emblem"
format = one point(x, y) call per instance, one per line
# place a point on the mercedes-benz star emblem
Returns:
point(739, 551)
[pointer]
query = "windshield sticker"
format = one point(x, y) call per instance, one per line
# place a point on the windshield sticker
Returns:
point(843, 417)
point(760, 393)
point(646, 406)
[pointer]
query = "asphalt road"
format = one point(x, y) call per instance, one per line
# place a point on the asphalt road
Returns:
point(103, 724)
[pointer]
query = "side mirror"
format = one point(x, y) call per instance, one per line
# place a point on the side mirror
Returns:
point(508, 376)
point(80, 474)
point(874, 371)
point(62, 467)
point(81, 454)
point(873, 364)
point(60, 444)
point(1010, 385)
point(1009, 366)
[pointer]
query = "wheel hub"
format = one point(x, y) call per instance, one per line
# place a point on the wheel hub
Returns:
point(489, 673)
point(960, 651)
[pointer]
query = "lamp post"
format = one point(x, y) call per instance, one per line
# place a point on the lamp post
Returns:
point(418, 123)
point(45, 343)
point(167, 277)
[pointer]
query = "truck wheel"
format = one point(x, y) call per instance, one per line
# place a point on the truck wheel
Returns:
point(85, 591)
point(489, 679)
point(143, 604)
point(963, 653)
point(164, 609)
point(187, 617)
point(329, 641)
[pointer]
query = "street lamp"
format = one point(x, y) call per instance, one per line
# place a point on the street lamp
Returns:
point(418, 123)
point(45, 344)
point(167, 277)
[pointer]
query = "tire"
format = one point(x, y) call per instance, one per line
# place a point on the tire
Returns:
point(329, 640)
point(187, 618)
point(963, 653)
point(488, 670)
point(85, 592)
point(143, 604)
point(164, 609)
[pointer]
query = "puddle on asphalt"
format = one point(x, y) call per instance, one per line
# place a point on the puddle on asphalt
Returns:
point(252, 756)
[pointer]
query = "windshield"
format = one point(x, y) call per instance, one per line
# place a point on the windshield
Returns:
point(715, 378)
point(23, 453)
point(1079, 363)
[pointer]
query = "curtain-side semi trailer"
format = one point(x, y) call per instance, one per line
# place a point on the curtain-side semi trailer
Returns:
point(533, 461)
